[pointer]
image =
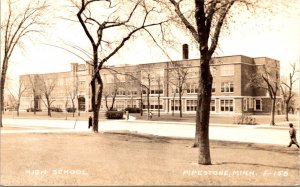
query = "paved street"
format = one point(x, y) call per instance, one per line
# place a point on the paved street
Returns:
point(254, 134)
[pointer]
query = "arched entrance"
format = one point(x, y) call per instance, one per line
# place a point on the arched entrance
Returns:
point(81, 103)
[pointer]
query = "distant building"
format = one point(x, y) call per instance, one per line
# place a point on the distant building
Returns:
point(231, 92)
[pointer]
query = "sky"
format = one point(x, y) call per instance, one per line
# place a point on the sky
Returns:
point(275, 35)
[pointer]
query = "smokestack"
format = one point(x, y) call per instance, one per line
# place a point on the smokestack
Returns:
point(185, 51)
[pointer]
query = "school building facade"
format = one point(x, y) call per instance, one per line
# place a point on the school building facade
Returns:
point(128, 85)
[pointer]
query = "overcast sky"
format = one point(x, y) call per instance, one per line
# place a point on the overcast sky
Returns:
point(275, 35)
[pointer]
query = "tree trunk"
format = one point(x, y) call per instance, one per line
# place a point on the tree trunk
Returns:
point(141, 107)
point(93, 100)
point(286, 111)
point(98, 104)
point(18, 113)
point(73, 108)
point(203, 112)
point(95, 120)
point(1, 104)
point(273, 111)
point(173, 109)
point(34, 100)
point(158, 105)
point(148, 103)
point(180, 103)
point(168, 104)
point(2, 84)
point(113, 100)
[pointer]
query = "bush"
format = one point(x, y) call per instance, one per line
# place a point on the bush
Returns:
point(33, 109)
point(71, 109)
point(55, 109)
point(133, 110)
point(114, 115)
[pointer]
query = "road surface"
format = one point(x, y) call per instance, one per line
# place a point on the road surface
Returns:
point(241, 133)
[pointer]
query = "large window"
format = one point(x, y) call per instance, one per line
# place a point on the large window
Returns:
point(174, 105)
point(213, 105)
point(154, 105)
point(192, 88)
point(226, 105)
point(227, 70)
point(213, 89)
point(191, 105)
point(227, 87)
point(156, 89)
point(121, 91)
point(258, 105)
point(132, 92)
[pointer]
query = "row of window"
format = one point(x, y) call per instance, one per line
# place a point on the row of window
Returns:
point(226, 87)
point(225, 105)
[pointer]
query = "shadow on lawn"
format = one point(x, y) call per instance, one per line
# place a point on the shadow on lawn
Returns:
point(260, 147)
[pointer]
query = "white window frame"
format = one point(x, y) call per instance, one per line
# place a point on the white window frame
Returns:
point(261, 105)
point(214, 105)
point(154, 88)
point(193, 88)
point(220, 105)
point(191, 103)
point(226, 85)
point(245, 104)
point(176, 105)
point(250, 102)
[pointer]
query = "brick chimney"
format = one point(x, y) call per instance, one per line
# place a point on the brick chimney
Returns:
point(185, 51)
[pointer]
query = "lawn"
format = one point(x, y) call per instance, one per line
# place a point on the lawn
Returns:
point(214, 118)
point(133, 159)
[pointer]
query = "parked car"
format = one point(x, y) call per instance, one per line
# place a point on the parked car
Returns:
point(33, 109)
point(71, 109)
point(55, 109)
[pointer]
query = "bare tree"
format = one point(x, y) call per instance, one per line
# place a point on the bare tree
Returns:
point(46, 88)
point(268, 79)
point(158, 95)
point(204, 21)
point(16, 96)
point(148, 78)
point(71, 92)
point(67, 101)
point(287, 89)
point(95, 31)
point(15, 27)
point(111, 91)
point(178, 78)
point(34, 87)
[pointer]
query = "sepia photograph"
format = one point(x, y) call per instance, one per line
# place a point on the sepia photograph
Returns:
point(150, 93)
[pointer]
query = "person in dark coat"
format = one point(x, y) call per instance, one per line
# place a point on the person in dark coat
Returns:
point(292, 132)
point(90, 121)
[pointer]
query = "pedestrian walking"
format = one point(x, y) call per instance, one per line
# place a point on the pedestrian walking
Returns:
point(90, 121)
point(292, 132)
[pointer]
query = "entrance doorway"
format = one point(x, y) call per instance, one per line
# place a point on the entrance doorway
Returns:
point(81, 103)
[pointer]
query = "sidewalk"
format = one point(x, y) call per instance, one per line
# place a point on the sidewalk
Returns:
point(242, 133)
